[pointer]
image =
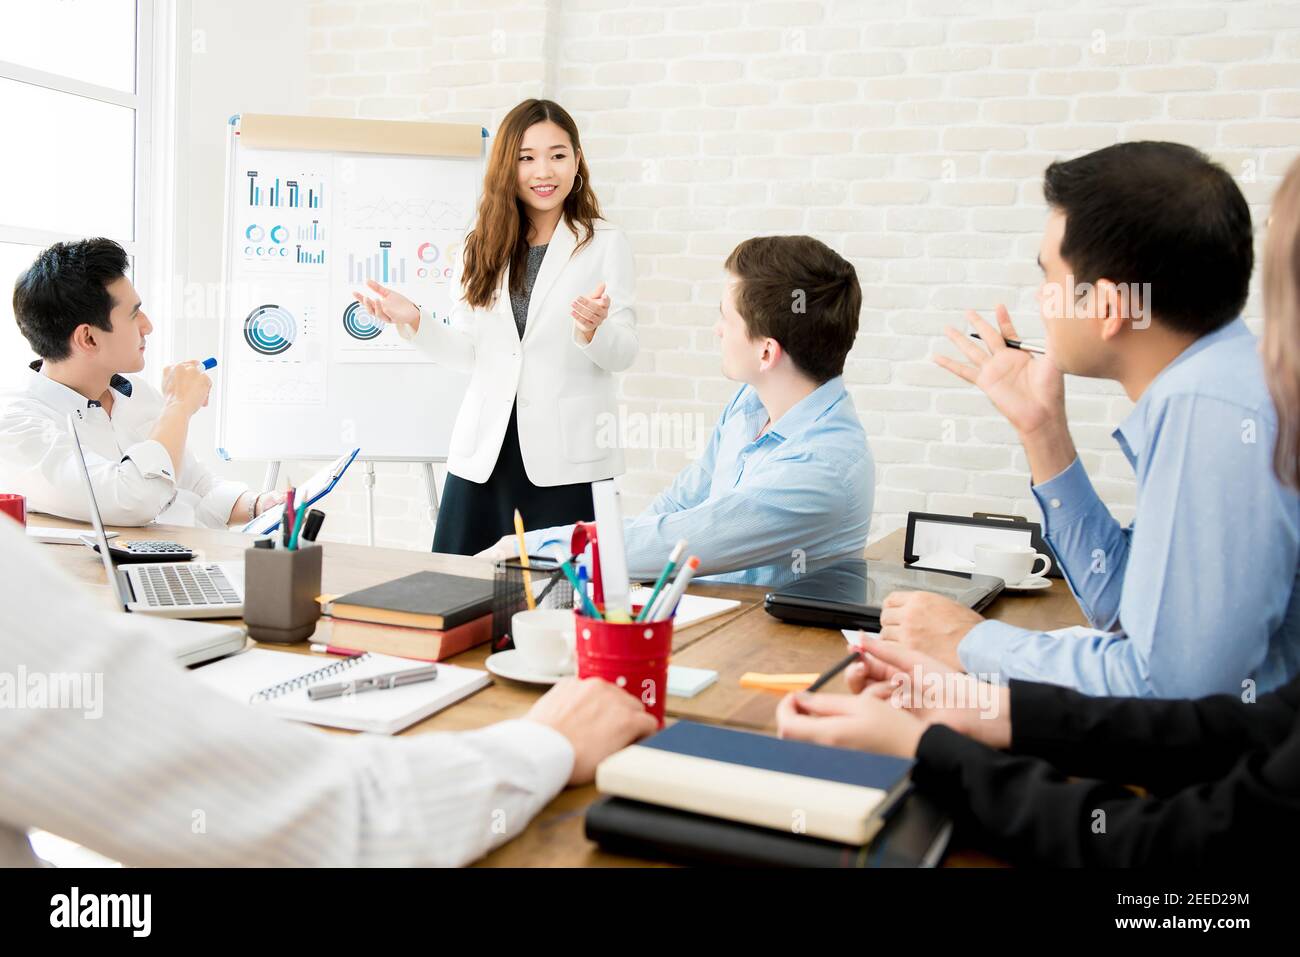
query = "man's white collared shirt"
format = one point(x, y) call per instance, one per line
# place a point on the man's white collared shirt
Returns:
point(134, 478)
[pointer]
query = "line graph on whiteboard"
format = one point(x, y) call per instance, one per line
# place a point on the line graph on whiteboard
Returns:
point(398, 212)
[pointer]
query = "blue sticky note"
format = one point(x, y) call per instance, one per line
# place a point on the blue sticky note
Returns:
point(688, 682)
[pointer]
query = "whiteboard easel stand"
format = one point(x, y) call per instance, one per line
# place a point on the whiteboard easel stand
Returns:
point(368, 479)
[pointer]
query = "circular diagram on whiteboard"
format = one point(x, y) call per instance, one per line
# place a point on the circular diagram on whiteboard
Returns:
point(270, 330)
point(359, 324)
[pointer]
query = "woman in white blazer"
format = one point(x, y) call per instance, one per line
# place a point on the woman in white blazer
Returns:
point(543, 322)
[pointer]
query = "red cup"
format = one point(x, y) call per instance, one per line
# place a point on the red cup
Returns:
point(15, 506)
point(633, 656)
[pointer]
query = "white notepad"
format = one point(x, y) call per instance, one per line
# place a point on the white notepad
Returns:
point(691, 608)
point(278, 681)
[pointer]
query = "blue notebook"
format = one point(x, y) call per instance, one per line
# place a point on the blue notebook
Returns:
point(793, 786)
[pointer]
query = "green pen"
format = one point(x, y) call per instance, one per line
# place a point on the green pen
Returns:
point(577, 588)
point(297, 526)
point(671, 567)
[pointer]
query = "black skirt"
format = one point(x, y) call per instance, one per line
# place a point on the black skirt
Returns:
point(474, 516)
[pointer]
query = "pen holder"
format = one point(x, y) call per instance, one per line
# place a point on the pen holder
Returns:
point(632, 655)
point(508, 595)
point(280, 590)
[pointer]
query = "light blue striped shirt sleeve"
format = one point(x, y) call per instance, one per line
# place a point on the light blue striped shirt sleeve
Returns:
point(796, 507)
point(1185, 601)
point(691, 486)
point(759, 506)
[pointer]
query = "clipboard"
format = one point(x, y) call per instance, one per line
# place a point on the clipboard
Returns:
point(931, 534)
point(312, 491)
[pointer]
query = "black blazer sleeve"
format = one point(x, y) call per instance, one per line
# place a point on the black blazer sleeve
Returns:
point(1023, 809)
point(1161, 745)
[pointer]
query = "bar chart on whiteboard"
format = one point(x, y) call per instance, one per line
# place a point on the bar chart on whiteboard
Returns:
point(400, 227)
point(310, 229)
point(315, 209)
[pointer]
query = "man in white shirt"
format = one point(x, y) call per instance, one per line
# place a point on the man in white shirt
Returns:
point(155, 769)
point(82, 315)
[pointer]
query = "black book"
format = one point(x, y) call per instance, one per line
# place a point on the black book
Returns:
point(422, 600)
point(915, 835)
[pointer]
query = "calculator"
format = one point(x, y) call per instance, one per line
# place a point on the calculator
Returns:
point(126, 553)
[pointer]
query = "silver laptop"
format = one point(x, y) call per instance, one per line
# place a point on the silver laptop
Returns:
point(174, 590)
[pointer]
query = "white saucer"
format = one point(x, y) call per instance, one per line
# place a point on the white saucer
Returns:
point(1030, 584)
point(509, 664)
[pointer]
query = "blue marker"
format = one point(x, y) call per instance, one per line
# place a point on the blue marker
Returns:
point(209, 363)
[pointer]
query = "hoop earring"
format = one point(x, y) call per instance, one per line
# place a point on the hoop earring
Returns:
point(578, 187)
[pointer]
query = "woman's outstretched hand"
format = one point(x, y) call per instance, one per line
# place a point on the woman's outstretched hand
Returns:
point(390, 307)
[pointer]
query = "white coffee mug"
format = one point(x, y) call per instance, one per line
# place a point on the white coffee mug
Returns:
point(1014, 564)
point(544, 638)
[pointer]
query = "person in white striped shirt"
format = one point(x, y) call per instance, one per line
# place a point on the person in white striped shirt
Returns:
point(158, 770)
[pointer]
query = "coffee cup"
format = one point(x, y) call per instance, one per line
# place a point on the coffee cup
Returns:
point(544, 639)
point(1014, 564)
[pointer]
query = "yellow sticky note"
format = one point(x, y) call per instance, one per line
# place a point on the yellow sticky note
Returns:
point(782, 683)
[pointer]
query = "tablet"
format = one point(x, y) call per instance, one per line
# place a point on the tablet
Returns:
point(849, 594)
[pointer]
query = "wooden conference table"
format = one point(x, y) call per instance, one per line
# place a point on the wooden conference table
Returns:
point(745, 639)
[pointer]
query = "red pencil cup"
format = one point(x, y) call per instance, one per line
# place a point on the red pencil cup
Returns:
point(633, 656)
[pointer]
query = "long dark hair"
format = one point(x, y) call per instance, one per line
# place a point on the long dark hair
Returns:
point(1281, 348)
point(500, 235)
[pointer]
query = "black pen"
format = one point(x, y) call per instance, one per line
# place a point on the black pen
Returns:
point(827, 676)
point(311, 525)
point(1014, 344)
point(555, 578)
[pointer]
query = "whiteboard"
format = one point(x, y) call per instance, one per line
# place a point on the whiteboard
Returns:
point(303, 370)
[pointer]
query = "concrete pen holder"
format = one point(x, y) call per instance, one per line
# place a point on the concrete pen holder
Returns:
point(280, 589)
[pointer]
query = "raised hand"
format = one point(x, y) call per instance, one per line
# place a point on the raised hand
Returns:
point(1029, 390)
point(589, 312)
point(187, 384)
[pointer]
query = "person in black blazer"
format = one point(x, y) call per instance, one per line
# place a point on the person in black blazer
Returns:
point(1222, 773)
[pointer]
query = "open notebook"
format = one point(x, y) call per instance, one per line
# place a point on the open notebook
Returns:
point(690, 609)
point(278, 681)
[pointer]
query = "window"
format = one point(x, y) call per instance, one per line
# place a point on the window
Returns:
point(75, 79)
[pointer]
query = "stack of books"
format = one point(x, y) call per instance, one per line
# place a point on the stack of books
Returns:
point(428, 615)
point(699, 794)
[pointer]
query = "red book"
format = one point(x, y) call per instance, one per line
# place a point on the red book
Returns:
point(425, 644)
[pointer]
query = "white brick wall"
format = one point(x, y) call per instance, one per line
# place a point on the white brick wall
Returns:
point(910, 135)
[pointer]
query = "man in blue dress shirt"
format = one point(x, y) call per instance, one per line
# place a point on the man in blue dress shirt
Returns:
point(785, 484)
point(1146, 258)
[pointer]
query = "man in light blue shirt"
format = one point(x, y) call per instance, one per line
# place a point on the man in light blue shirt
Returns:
point(785, 485)
point(1200, 593)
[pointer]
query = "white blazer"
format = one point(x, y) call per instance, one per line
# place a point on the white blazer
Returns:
point(564, 387)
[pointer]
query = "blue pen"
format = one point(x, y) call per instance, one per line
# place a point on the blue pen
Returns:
point(209, 363)
point(580, 593)
point(582, 582)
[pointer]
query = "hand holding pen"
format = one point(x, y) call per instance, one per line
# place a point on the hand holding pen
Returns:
point(1027, 388)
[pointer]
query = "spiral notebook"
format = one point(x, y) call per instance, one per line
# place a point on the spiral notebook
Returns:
point(278, 681)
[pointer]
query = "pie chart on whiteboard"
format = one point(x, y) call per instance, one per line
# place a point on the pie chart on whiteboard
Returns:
point(270, 330)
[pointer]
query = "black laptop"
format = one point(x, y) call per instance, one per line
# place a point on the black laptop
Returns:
point(848, 594)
